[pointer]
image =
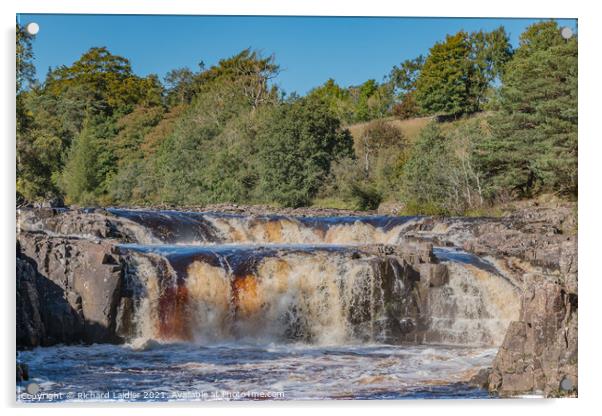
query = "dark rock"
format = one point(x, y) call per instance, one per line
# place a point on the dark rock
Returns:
point(125, 326)
point(22, 372)
point(406, 325)
point(66, 293)
point(540, 350)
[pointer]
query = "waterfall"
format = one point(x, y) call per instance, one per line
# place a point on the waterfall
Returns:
point(315, 295)
point(175, 227)
point(226, 277)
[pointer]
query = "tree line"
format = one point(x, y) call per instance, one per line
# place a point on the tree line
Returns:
point(95, 133)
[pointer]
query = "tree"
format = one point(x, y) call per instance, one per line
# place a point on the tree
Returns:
point(372, 100)
point(533, 145)
point(297, 146)
point(24, 53)
point(180, 86)
point(337, 98)
point(108, 79)
point(378, 137)
point(250, 71)
point(457, 73)
point(407, 108)
point(442, 87)
point(403, 81)
point(90, 164)
point(404, 77)
point(490, 51)
point(440, 176)
point(205, 156)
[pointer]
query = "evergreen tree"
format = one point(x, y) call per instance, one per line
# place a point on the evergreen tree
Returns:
point(533, 146)
point(91, 163)
point(457, 73)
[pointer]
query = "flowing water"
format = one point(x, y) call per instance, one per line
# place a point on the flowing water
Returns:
point(233, 307)
point(185, 371)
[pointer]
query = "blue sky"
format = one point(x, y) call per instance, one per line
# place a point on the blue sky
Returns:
point(309, 49)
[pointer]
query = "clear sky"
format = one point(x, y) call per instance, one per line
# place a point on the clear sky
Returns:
point(309, 49)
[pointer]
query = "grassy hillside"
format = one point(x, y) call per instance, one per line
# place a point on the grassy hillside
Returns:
point(411, 127)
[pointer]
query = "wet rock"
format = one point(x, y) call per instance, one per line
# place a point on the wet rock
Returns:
point(44, 316)
point(30, 327)
point(481, 379)
point(125, 326)
point(22, 372)
point(406, 325)
point(537, 246)
point(81, 223)
point(436, 275)
point(66, 290)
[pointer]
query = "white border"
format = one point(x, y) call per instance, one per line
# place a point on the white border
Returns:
point(589, 173)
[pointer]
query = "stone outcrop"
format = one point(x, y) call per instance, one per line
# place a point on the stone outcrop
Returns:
point(68, 290)
point(95, 223)
point(539, 353)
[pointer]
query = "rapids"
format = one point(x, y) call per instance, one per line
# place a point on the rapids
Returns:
point(189, 372)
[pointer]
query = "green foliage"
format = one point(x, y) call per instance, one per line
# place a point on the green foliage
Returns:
point(442, 86)
point(457, 73)
point(490, 52)
point(363, 182)
point(38, 163)
point(440, 175)
point(25, 69)
point(365, 102)
point(127, 148)
point(107, 80)
point(95, 133)
point(403, 81)
point(404, 77)
point(90, 164)
point(338, 99)
point(180, 86)
point(298, 145)
point(533, 145)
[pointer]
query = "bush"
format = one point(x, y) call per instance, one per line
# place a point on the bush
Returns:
point(298, 143)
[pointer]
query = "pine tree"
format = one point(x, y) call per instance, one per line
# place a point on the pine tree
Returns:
point(533, 145)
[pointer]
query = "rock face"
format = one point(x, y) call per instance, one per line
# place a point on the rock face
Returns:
point(539, 352)
point(44, 317)
point(68, 290)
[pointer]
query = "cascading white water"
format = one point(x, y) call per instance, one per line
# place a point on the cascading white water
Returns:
point(474, 308)
point(204, 228)
point(324, 297)
point(270, 287)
